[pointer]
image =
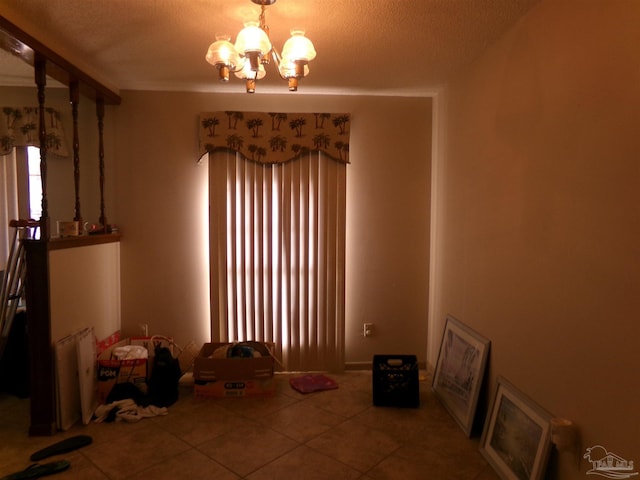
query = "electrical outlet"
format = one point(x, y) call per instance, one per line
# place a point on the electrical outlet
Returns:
point(367, 329)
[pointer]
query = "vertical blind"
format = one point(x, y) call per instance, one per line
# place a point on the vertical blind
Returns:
point(277, 250)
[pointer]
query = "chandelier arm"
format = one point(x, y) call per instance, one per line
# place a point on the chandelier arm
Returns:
point(277, 59)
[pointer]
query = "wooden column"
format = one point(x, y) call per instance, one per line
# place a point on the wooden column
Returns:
point(40, 68)
point(42, 392)
point(42, 389)
point(100, 114)
point(74, 98)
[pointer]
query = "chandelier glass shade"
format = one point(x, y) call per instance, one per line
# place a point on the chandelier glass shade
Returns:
point(298, 48)
point(253, 50)
point(224, 56)
point(252, 39)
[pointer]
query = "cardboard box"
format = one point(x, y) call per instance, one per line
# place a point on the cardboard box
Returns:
point(112, 371)
point(263, 387)
point(102, 345)
point(207, 369)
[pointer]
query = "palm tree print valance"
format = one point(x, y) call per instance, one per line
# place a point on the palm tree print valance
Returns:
point(275, 137)
point(19, 128)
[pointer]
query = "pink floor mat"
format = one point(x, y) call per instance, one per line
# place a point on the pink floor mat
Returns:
point(312, 383)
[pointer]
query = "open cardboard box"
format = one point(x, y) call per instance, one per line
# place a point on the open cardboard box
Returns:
point(261, 387)
point(112, 371)
point(207, 369)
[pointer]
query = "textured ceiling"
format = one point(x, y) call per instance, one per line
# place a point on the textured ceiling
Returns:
point(392, 47)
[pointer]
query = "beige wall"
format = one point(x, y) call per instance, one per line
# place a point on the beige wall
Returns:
point(161, 207)
point(85, 290)
point(537, 236)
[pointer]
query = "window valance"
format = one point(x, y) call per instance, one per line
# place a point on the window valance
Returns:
point(275, 137)
point(19, 128)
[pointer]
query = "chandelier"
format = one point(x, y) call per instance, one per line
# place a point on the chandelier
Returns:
point(253, 51)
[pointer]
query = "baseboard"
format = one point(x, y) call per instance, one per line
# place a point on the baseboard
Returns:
point(358, 365)
point(369, 366)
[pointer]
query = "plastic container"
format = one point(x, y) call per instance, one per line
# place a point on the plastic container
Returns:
point(395, 381)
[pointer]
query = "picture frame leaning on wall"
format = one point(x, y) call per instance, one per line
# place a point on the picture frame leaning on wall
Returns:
point(460, 371)
point(516, 435)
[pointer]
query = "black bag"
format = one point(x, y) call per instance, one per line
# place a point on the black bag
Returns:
point(164, 378)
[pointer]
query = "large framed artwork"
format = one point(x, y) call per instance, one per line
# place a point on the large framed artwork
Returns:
point(460, 370)
point(516, 435)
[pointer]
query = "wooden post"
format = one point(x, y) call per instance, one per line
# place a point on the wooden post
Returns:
point(74, 98)
point(40, 67)
point(100, 113)
point(42, 384)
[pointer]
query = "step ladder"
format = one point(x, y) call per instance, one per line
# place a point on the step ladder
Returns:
point(14, 276)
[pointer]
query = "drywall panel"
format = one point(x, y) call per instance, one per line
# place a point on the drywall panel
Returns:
point(85, 289)
point(538, 226)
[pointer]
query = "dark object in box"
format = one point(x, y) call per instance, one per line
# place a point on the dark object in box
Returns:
point(209, 369)
point(395, 381)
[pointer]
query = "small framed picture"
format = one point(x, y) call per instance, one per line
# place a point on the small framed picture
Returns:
point(515, 439)
point(459, 371)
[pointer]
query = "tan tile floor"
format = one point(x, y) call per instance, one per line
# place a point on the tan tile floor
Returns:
point(335, 434)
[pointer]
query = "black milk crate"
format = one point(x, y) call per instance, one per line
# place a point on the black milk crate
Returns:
point(395, 381)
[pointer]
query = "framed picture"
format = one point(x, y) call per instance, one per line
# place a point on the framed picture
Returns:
point(459, 371)
point(515, 439)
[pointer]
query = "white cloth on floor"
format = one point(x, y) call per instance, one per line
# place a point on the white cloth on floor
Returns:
point(128, 411)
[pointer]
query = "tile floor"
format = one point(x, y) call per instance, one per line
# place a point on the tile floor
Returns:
point(335, 434)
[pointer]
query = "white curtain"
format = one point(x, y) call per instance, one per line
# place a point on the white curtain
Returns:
point(277, 249)
point(8, 203)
